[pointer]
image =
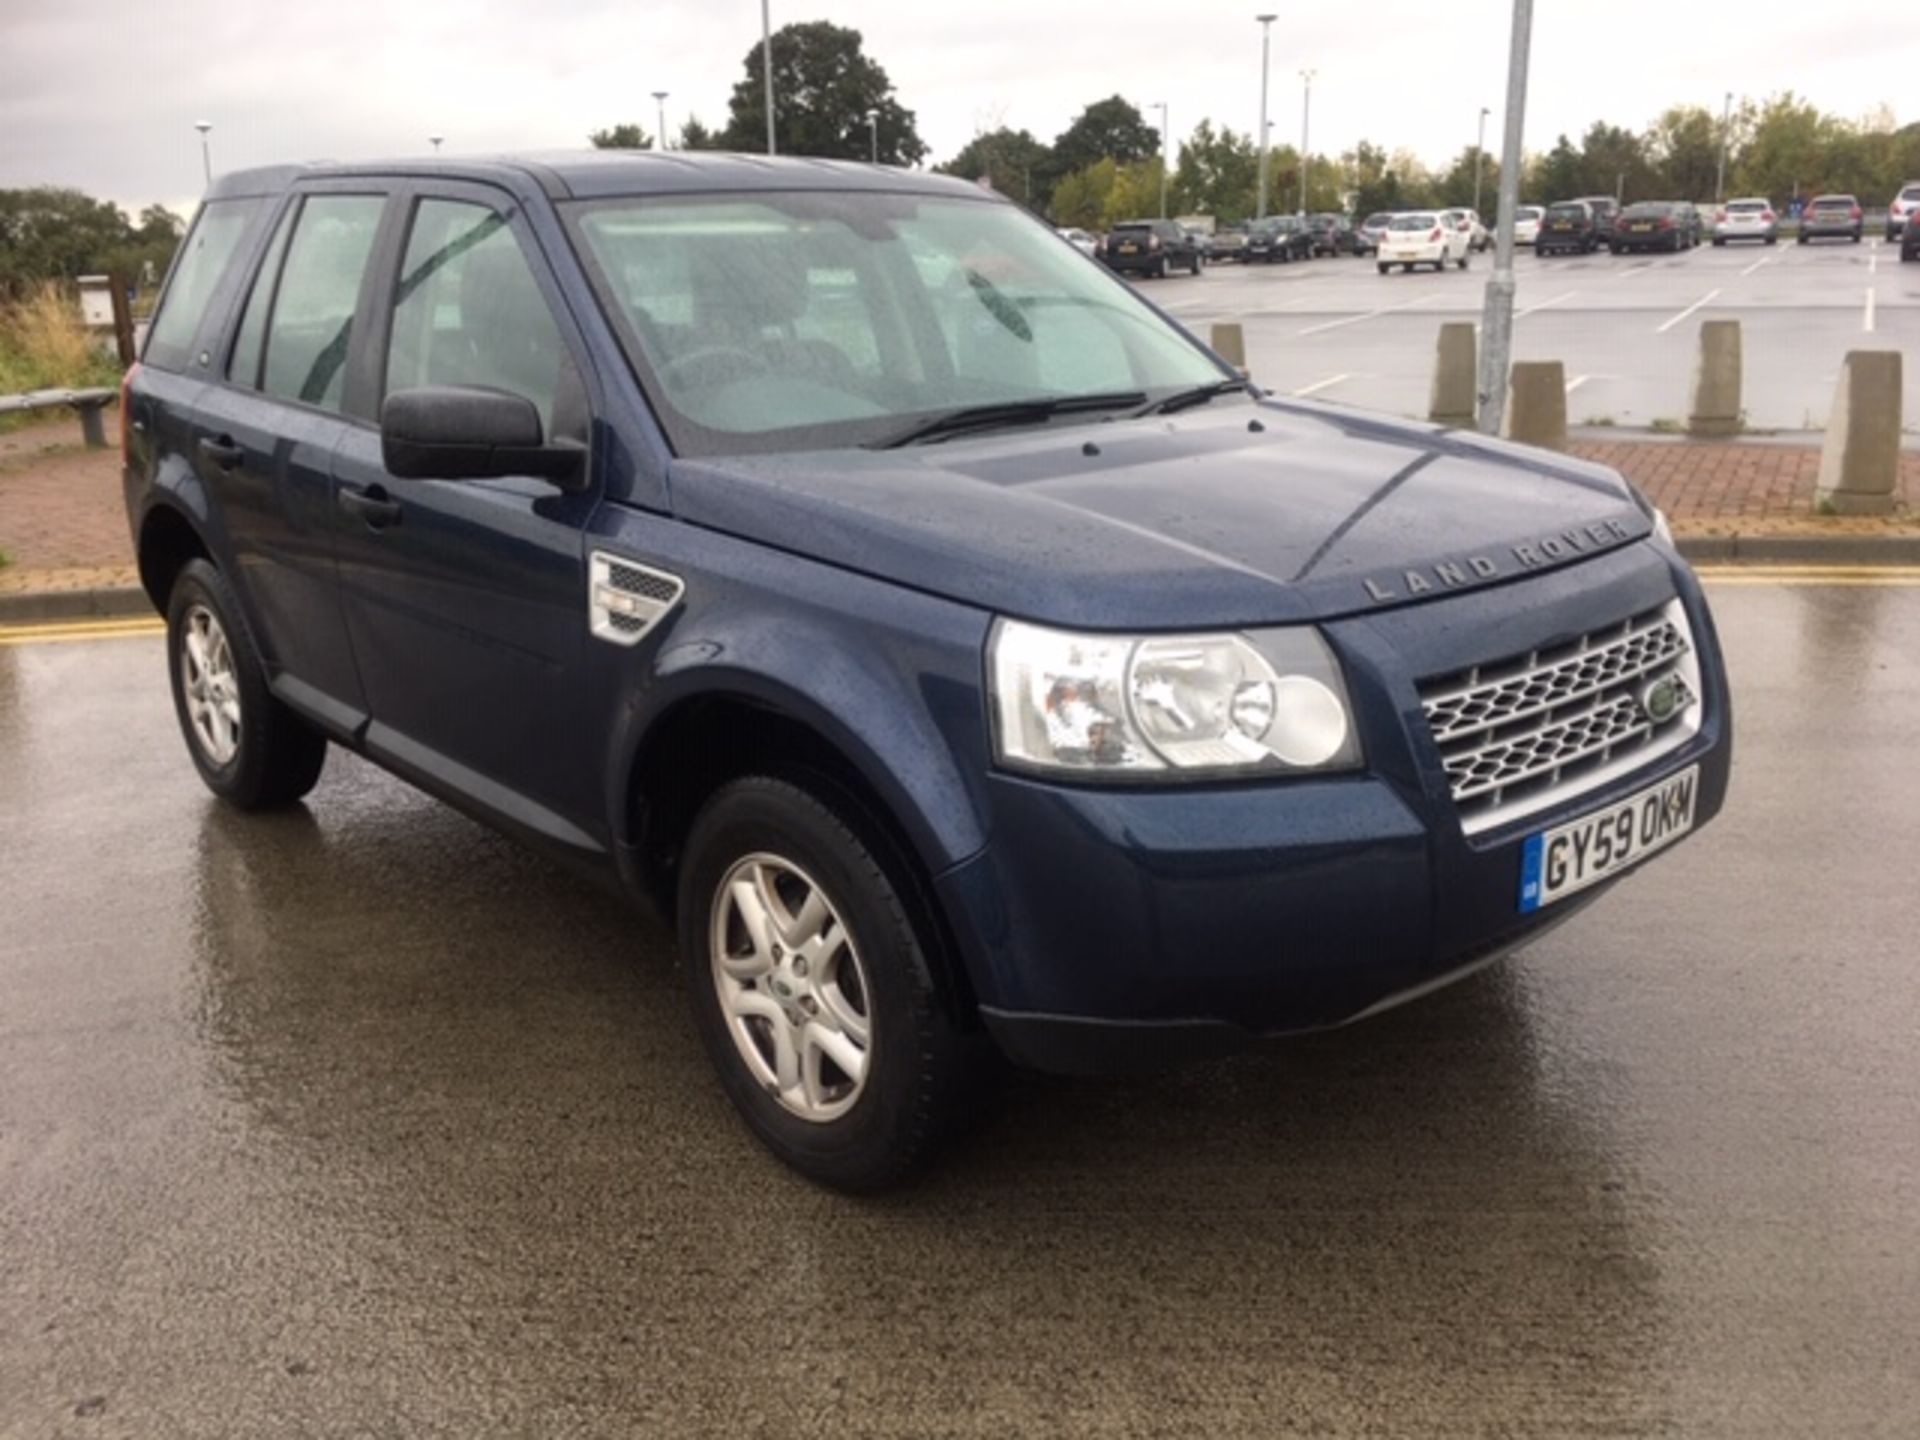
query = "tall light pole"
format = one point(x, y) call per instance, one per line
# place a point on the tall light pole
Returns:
point(206, 155)
point(873, 136)
point(434, 140)
point(1306, 114)
point(766, 66)
point(1161, 106)
point(1496, 320)
point(1726, 131)
point(1480, 157)
point(660, 109)
point(1266, 34)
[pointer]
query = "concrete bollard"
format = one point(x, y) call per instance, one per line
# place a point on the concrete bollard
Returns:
point(1230, 344)
point(1860, 460)
point(1716, 382)
point(1455, 377)
point(1537, 404)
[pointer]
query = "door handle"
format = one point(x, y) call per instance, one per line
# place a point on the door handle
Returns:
point(373, 505)
point(224, 454)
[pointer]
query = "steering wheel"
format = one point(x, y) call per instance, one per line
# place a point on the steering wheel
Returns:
point(713, 365)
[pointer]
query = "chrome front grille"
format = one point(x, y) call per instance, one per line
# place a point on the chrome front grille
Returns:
point(1520, 735)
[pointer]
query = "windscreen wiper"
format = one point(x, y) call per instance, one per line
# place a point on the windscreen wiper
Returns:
point(1005, 413)
point(1198, 395)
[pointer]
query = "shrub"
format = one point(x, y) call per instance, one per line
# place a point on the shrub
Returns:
point(44, 345)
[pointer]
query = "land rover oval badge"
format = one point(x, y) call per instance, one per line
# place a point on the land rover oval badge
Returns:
point(1661, 700)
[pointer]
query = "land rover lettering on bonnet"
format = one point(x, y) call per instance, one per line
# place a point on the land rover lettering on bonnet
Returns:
point(961, 655)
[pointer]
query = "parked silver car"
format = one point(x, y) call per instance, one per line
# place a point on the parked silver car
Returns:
point(1749, 219)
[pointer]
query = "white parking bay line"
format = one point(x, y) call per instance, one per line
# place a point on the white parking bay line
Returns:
point(1706, 299)
point(1763, 260)
point(1868, 324)
point(1319, 385)
point(1556, 300)
point(1369, 315)
point(1576, 382)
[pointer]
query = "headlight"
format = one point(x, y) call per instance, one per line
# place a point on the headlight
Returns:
point(1144, 706)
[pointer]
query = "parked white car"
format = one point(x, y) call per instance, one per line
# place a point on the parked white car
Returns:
point(1080, 240)
point(1526, 224)
point(1903, 210)
point(1478, 236)
point(1750, 219)
point(1423, 237)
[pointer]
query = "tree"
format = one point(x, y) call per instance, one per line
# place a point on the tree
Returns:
point(1081, 198)
point(1456, 186)
point(1788, 151)
point(823, 86)
point(1613, 162)
point(1216, 175)
point(48, 233)
point(695, 136)
point(1109, 129)
point(1684, 147)
point(1012, 161)
point(620, 137)
point(1556, 175)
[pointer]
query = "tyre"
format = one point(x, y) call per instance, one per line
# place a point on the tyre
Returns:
point(1193, 266)
point(811, 986)
point(1461, 262)
point(1803, 240)
point(1718, 242)
point(1385, 268)
point(1773, 239)
point(1160, 268)
point(251, 750)
point(1856, 237)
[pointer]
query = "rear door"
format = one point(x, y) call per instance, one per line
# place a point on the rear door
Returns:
point(467, 599)
point(269, 425)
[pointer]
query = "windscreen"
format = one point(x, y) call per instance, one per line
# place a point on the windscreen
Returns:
point(1413, 222)
point(766, 322)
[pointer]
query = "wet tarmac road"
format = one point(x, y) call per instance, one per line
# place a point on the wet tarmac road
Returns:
point(361, 1120)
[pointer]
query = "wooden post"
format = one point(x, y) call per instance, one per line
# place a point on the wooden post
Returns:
point(122, 320)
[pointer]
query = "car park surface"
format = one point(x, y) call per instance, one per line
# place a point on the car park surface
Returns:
point(1626, 327)
point(360, 1119)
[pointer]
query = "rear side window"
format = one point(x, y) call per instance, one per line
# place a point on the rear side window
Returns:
point(469, 312)
point(204, 257)
point(311, 327)
point(244, 368)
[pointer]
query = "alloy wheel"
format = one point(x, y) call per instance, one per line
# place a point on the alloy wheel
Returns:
point(792, 989)
point(211, 685)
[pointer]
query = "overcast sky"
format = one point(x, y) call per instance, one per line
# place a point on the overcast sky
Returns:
point(103, 96)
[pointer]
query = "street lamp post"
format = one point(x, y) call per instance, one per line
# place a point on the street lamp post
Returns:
point(1726, 131)
point(873, 136)
point(660, 109)
point(434, 140)
point(1266, 35)
point(766, 66)
point(1165, 157)
point(1496, 320)
point(1480, 158)
point(206, 155)
point(1306, 114)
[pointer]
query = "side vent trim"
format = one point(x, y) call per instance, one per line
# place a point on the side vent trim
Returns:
point(626, 599)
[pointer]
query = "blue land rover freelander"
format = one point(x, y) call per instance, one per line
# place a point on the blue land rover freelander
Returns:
point(967, 660)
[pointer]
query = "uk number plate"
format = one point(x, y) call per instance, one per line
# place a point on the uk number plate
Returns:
point(1556, 863)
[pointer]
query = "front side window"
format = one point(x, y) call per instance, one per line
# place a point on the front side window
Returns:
point(775, 321)
point(311, 327)
point(469, 312)
point(204, 257)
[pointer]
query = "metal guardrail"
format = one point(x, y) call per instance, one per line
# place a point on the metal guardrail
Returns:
point(89, 404)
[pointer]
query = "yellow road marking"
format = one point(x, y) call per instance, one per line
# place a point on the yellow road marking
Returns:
point(1899, 576)
point(45, 633)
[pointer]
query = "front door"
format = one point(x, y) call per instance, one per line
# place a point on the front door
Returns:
point(467, 599)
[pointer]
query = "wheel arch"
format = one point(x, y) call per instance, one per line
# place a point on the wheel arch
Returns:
point(168, 539)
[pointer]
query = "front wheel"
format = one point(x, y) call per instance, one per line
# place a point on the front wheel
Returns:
point(1461, 262)
point(1160, 268)
point(251, 750)
point(811, 986)
point(1385, 269)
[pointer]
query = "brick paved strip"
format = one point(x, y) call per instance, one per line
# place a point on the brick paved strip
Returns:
point(1726, 484)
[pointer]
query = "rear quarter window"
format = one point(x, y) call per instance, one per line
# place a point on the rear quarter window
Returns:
point(205, 255)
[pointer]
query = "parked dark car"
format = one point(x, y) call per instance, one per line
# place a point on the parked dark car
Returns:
point(1910, 240)
point(1568, 228)
point(1230, 243)
point(961, 655)
point(1605, 210)
point(1278, 239)
point(1150, 247)
point(1332, 235)
point(1832, 217)
point(1652, 225)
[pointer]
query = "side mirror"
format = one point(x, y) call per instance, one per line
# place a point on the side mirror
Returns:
point(460, 432)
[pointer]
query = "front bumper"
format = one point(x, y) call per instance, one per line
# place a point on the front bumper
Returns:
point(1110, 928)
